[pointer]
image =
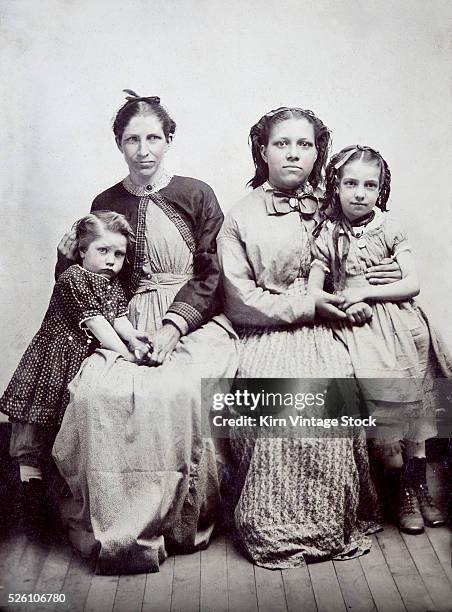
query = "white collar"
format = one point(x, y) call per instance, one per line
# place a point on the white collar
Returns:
point(159, 182)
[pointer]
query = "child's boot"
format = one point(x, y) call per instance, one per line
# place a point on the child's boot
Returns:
point(390, 494)
point(410, 517)
point(417, 467)
point(35, 510)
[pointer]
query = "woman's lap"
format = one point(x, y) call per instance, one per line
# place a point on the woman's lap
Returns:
point(300, 498)
point(132, 449)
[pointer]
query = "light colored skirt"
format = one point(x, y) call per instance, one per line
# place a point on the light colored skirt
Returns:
point(394, 361)
point(133, 450)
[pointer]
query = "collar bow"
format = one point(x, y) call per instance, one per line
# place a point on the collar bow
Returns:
point(305, 203)
point(283, 202)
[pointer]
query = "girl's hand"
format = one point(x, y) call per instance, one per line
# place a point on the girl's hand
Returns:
point(138, 339)
point(359, 313)
point(163, 342)
point(326, 304)
point(68, 246)
point(139, 343)
point(352, 296)
point(130, 357)
point(142, 352)
point(387, 271)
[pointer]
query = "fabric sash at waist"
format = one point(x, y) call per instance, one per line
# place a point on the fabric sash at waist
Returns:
point(162, 280)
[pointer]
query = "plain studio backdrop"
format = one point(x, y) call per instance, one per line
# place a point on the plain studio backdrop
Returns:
point(376, 72)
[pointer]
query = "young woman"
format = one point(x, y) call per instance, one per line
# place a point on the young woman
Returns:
point(299, 498)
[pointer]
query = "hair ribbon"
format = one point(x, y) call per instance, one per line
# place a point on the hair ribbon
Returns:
point(350, 153)
point(134, 97)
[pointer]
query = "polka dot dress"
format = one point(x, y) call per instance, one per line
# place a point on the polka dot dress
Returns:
point(37, 392)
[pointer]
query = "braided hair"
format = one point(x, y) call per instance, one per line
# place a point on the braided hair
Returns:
point(332, 206)
point(260, 133)
point(138, 105)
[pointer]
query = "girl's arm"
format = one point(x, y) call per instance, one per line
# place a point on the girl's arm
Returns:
point(324, 302)
point(400, 290)
point(132, 337)
point(107, 336)
point(125, 330)
point(357, 314)
point(317, 275)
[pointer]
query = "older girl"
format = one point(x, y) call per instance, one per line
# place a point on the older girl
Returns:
point(87, 309)
point(299, 498)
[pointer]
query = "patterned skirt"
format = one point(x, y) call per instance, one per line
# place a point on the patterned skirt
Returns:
point(300, 499)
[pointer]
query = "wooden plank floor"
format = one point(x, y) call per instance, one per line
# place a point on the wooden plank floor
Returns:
point(401, 573)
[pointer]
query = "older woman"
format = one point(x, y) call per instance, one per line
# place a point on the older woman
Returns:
point(132, 445)
point(298, 498)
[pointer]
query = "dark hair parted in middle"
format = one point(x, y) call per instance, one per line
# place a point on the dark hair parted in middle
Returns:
point(335, 169)
point(260, 134)
point(332, 204)
point(137, 105)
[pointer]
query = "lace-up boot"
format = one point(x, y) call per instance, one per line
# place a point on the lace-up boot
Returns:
point(35, 514)
point(410, 517)
point(417, 472)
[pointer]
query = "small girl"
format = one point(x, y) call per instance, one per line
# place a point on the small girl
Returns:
point(87, 309)
point(386, 336)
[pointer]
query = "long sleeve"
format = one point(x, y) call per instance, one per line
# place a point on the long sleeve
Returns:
point(246, 303)
point(320, 251)
point(198, 300)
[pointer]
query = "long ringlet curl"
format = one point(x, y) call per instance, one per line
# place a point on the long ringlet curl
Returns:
point(332, 206)
point(142, 105)
point(260, 134)
point(90, 228)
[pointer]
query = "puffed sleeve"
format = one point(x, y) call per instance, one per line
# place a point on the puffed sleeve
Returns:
point(122, 305)
point(320, 251)
point(198, 300)
point(79, 296)
point(245, 303)
point(396, 238)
